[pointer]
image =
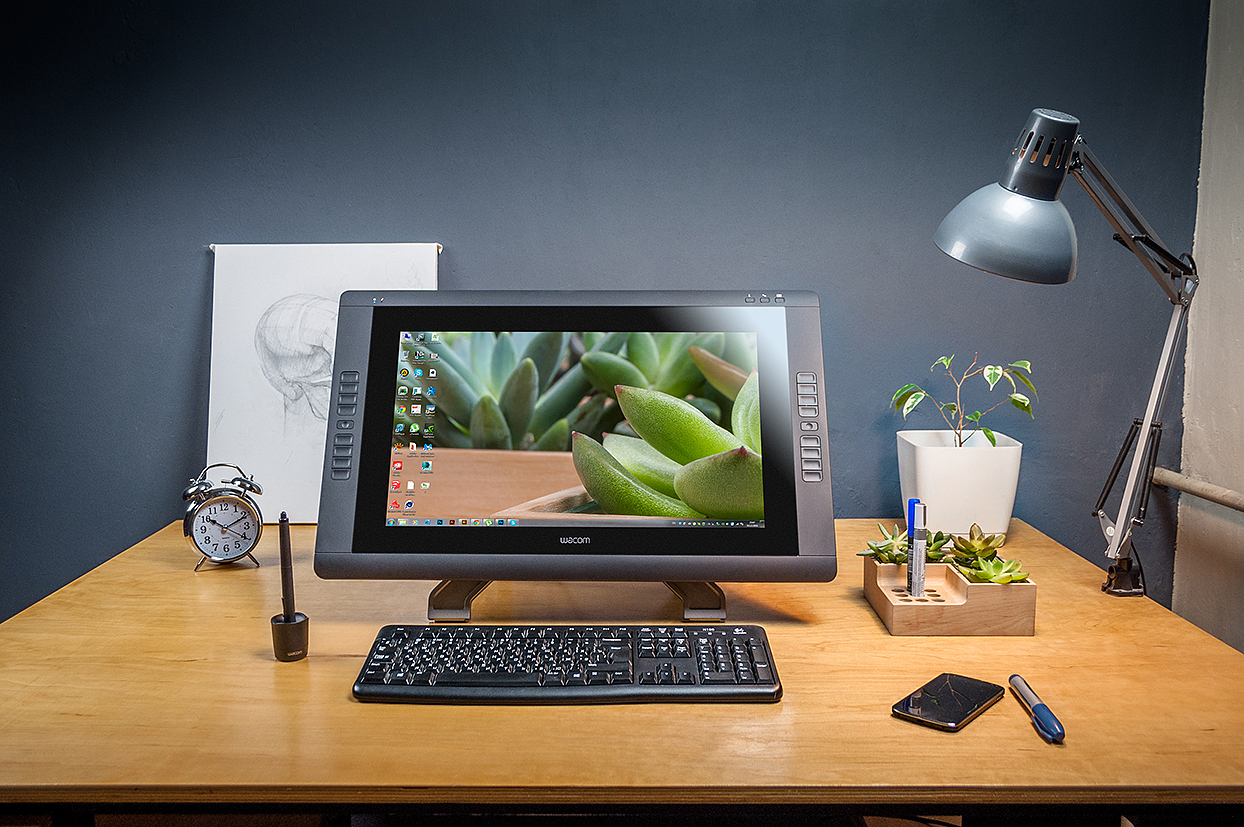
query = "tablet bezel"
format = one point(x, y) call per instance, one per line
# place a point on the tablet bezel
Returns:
point(796, 542)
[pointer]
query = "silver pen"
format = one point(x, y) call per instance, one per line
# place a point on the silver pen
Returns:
point(917, 542)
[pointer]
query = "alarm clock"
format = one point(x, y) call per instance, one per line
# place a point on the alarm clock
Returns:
point(222, 521)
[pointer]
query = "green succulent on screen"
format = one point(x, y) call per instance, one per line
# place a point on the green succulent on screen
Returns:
point(507, 390)
point(680, 463)
point(525, 390)
point(707, 369)
point(675, 416)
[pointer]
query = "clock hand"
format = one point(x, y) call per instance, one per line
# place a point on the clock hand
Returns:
point(228, 528)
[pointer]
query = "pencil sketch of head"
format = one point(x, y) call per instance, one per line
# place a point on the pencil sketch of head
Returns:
point(294, 340)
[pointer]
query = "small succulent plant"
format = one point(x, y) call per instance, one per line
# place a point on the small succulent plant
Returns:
point(893, 548)
point(994, 570)
point(977, 543)
point(680, 463)
point(976, 556)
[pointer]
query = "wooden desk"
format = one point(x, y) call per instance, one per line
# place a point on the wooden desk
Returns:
point(146, 682)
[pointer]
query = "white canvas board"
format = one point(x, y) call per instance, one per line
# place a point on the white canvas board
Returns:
point(274, 325)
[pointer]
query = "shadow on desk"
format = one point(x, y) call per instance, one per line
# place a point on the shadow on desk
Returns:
point(677, 816)
point(572, 602)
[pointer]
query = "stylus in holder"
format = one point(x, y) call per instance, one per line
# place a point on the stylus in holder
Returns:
point(289, 629)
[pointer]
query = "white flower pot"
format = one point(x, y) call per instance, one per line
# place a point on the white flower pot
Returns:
point(960, 486)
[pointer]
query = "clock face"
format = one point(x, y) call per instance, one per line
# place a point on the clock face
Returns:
point(225, 528)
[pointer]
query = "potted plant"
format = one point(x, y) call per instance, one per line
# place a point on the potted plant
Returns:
point(969, 588)
point(968, 474)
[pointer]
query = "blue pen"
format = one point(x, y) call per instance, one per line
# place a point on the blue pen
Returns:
point(1042, 718)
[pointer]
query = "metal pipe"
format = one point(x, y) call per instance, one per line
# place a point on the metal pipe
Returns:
point(1198, 488)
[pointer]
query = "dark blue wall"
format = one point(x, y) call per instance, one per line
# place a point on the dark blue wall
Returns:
point(775, 144)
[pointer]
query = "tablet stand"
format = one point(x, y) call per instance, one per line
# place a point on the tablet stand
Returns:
point(450, 600)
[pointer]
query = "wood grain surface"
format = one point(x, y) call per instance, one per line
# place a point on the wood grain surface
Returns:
point(145, 681)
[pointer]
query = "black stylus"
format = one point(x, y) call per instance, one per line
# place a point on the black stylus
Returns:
point(287, 570)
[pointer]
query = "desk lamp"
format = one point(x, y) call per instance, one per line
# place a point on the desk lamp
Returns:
point(1019, 229)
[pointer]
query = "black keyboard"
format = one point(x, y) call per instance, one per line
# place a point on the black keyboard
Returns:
point(568, 665)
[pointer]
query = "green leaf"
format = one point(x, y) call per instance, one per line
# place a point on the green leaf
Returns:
point(1020, 401)
point(673, 426)
point(616, 489)
point(641, 350)
point(951, 408)
point(482, 343)
point(649, 465)
point(912, 401)
point(989, 435)
point(722, 375)
point(707, 407)
point(944, 361)
point(586, 417)
point(973, 417)
point(745, 416)
point(570, 388)
point(454, 394)
point(488, 426)
point(518, 396)
point(900, 395)
point(450, 356)
point(725, 486)
point(556, 437)
point(740, 351)
point(1022, 364)
point(607, 370)
point(546, 351)
point(1027, 382)
point(992, 374)
point(679, 374)
point(504, 358)
point(448, 434)
point(671, 344)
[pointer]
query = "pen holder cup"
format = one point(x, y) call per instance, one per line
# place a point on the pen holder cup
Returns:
point(289, 638)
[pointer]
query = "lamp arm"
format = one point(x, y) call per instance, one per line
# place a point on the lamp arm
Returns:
point(1177, 277)
point(1119, 531)
point(1169, 270)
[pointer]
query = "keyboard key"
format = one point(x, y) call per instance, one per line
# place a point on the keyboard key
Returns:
point(488, 679)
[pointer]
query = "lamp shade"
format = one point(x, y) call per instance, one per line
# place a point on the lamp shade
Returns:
point(1017, 227)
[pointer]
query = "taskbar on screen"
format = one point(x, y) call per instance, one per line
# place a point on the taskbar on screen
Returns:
point(499, 522)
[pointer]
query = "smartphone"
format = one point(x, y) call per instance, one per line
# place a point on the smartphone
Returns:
point(948, 701)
